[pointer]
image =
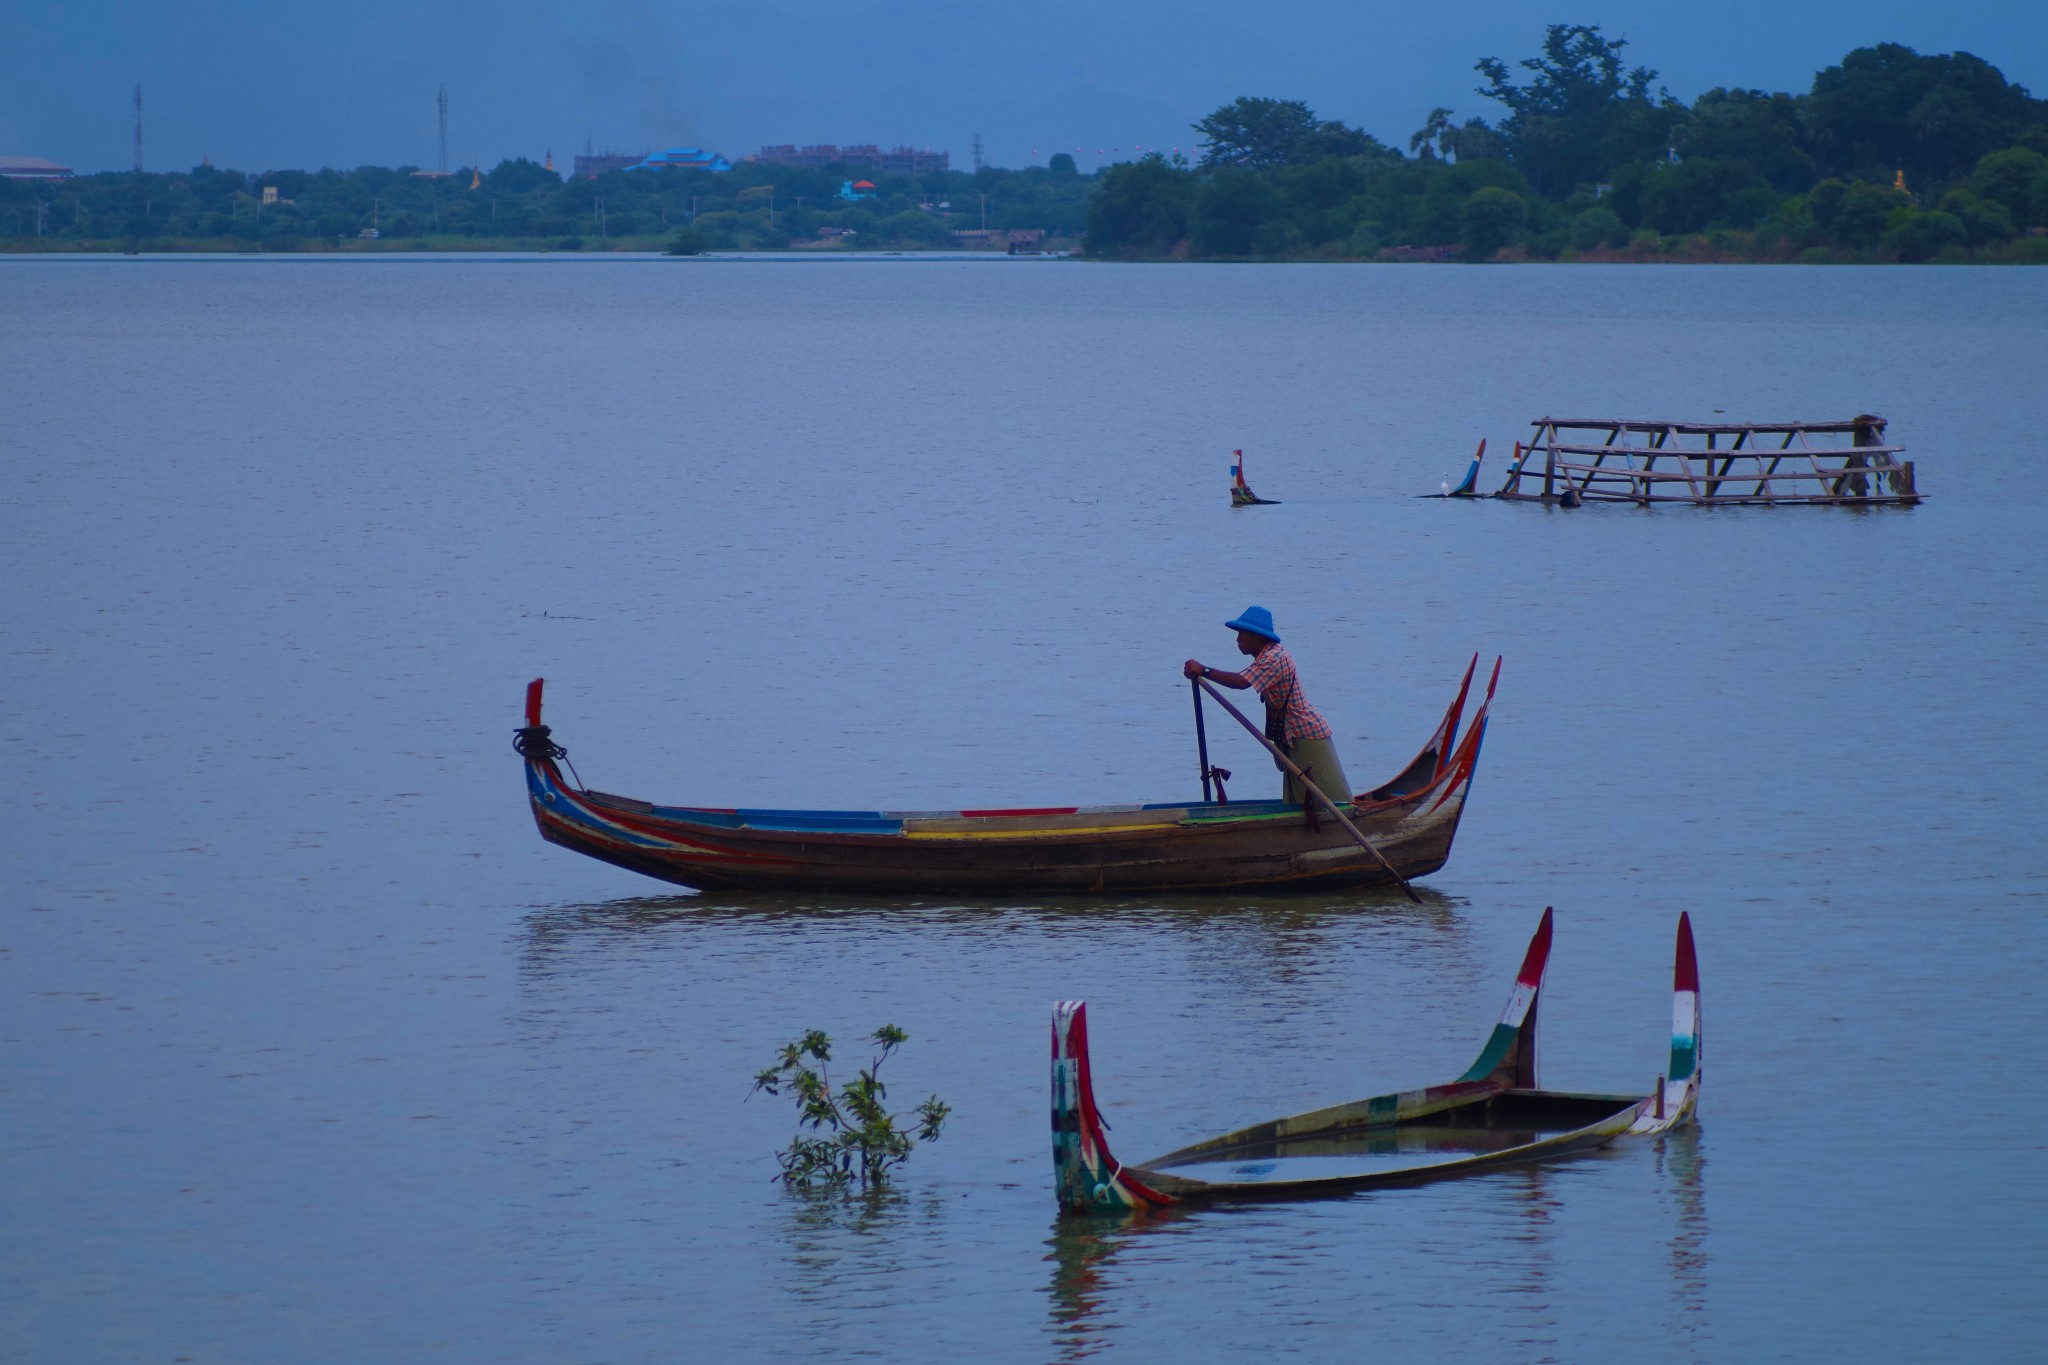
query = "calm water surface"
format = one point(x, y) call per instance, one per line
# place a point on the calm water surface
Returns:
point(310, 1050)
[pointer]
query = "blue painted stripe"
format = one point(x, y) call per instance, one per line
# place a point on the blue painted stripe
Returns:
point(564, 807)
point(883, 822)
point(785, 821)
point(892, 822)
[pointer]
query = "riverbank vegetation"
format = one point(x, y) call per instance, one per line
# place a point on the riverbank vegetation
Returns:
point(1890, 156)
point(522, 205)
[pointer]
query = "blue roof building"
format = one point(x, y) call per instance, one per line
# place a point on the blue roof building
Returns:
point(683, 159)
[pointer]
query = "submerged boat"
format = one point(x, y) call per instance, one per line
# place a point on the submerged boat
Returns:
point(1494, 1115)
point(1206, 845)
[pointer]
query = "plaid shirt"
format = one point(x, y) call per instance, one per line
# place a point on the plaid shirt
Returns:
point(1272, 673)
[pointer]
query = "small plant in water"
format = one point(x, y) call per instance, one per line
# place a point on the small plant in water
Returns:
point(853, 1136)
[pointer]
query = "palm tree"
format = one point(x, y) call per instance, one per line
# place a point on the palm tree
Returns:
point(1431, 133)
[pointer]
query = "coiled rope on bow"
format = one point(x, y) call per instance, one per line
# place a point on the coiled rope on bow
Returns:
point(534, 744)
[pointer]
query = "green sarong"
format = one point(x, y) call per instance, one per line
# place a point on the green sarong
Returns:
point(1317, 757)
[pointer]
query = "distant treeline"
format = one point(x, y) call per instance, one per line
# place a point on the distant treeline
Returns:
point(1589, 163)
point(521, 203)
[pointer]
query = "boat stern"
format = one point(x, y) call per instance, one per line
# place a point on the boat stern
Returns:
point(1677, 1097)
point(1087, 1178)
point(1509, 1057)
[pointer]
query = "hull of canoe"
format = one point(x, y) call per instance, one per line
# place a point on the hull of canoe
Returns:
point(1621, 1114)
point(1166, 847)
point(1267, 845)
point(1494, 1115)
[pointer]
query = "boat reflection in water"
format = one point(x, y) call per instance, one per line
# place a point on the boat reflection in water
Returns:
point(1679, 1161)
point(1080, 1291)
point(1244, 940)
point(1498, 1242)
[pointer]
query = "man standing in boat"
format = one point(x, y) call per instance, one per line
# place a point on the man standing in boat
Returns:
point(1291, 722)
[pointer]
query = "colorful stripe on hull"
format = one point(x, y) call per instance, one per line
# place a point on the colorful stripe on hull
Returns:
point(1677, 1098)
point(1159, 846)
point(1510, 1053)
point(1087, 1177)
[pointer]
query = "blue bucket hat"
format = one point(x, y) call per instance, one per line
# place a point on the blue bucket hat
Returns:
point(1258, 621)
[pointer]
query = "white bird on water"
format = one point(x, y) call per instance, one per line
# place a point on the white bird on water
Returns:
point(1446, 485)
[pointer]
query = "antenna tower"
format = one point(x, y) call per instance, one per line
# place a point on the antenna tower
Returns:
point(977, 151)
point(443, 168)
point(138, 127)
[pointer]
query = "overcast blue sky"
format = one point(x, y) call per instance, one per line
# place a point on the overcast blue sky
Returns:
point(271, 85)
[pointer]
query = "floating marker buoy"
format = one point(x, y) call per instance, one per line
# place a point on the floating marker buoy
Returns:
point(1241, 494)
point(1467, 487)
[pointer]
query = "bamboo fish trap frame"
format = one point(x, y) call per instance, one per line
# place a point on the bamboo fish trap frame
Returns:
point(1710, 464)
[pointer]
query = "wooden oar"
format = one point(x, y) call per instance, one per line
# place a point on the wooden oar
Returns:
point(1312, 789)
point(1201, 739)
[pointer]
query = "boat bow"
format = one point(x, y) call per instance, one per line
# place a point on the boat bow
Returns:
point(1678, 1091)
point(1087, 1177)
point(1509, 1057)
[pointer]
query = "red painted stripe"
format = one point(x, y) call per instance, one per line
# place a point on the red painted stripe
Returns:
point(1467, 759)
point(1447, 732)
point(705, 850)
point(1685, 974)
point(1463, 762)
point(1142, 1190)
point(1034, 810)
point(1091, 1118)
point(1538, 955)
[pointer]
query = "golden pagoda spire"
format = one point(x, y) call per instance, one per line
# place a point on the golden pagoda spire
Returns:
point(551, 158)
point(1899, 182)
point(476, 177)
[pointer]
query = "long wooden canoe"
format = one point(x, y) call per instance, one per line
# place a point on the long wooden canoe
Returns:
point(1494, 1115)
point(1168, 846)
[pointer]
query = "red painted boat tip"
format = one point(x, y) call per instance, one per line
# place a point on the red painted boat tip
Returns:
point(1538, 954)
point(533, 701)
point(1024, 810)
point(1685, 972)
point(1077, 1030)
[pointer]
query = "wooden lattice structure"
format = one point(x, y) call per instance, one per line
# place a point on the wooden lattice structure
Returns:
point(1710, 464)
